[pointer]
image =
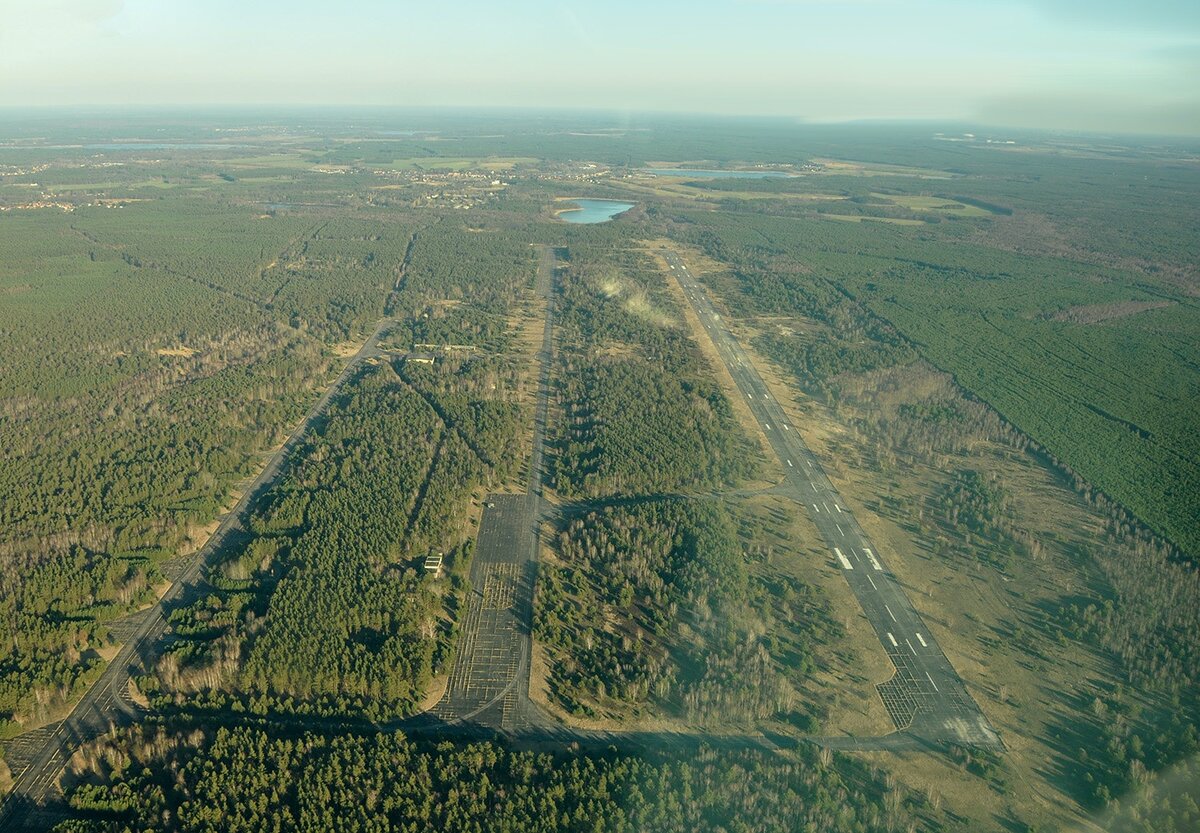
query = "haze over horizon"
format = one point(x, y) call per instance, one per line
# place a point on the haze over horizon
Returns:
point(1059, 64)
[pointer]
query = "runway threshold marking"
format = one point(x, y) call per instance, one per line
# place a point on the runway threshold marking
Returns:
point(871, 557)
point(845, 561)
point(921, 639)
point(892, 639)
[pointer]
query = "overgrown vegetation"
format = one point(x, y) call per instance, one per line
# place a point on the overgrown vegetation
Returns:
point(657, 603)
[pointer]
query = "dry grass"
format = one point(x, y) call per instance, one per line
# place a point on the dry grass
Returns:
point(973, 608)
point(863, 218)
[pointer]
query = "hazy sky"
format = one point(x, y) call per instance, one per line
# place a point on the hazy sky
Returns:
point(1131, 65)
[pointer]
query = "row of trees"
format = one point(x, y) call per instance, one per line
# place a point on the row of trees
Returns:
point(243, 780)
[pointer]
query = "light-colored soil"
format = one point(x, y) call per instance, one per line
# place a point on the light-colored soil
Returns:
point(181, 352)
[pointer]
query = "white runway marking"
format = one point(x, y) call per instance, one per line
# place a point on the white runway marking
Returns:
point(845, 562)
point(839, 509)
point(839, 526)
point(871, 557)
point(815, 509)
point(931, 682)
point(921, 639)
point(893, 639)
point(790, 466)
point(910, 647)
point(814, 485)
point(889, 610)
point(873, 587)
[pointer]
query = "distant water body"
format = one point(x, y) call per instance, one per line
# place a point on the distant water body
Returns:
point(594, 211)
point(698, 173)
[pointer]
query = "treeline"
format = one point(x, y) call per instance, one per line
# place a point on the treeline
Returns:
point(656, 602)
point(326, 610)
point(243, 780)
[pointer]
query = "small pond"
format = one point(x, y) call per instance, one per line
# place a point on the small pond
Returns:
point(594, 211)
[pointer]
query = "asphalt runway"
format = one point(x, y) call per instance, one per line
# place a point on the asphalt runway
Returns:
point(489, 681)
point(925, 697)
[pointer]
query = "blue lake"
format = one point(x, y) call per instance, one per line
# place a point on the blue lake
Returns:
point(697, 173)
point(594, 211)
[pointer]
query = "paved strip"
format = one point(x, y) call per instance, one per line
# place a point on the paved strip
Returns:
point(489, 682)
point(926, 697)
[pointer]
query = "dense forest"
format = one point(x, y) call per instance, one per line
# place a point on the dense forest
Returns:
point(655, 603)
point(134, 396)
point(325, 609)
point(1002, 339)
point(641, 412)
point(245, 780)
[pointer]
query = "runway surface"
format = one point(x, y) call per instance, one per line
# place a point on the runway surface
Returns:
point(925, 698)
point(489, 681)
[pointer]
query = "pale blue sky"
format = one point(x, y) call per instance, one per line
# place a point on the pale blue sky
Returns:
point(1103, 64)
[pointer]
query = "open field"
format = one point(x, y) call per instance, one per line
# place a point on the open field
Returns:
point(866, 218)
point(921, 202)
